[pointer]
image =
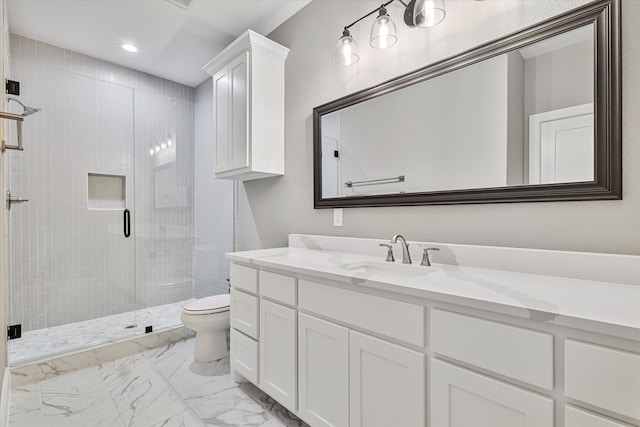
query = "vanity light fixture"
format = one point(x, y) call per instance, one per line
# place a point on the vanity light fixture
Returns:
point(417, 13)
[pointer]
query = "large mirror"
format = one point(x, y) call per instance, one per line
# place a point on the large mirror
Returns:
point(534, 116)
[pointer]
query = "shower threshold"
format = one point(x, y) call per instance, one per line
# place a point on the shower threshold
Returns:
point(56, 340)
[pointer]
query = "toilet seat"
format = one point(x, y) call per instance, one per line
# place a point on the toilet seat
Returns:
point(208, 305)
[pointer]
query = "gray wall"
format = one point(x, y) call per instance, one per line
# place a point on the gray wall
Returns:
point(269, 209)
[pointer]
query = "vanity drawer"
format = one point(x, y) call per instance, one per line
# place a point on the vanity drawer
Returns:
point(244, 313)
point(574, 417)
point(603, 377)
point(278, 287)
point(515, 352)
point(244, 356)
point(396, 319)
point(245, 278)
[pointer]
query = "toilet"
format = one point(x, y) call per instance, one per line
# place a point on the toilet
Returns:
point(209, 319)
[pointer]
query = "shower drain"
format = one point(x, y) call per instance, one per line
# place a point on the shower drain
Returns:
point(130, 326)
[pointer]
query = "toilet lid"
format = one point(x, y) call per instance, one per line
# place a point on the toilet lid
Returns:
point(208, 305)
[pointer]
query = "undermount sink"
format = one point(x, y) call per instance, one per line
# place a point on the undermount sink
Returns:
point(387, 270)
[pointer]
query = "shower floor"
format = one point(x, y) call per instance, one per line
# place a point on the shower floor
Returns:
point(48, 342)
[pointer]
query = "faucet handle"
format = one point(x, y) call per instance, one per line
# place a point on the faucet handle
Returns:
point(425, 256)
point(390, 257)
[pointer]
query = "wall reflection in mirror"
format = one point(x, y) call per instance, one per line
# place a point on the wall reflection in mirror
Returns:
point(524, 117)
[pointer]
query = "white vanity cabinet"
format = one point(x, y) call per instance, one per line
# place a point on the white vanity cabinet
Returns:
point(248, 108)
point(341, 353)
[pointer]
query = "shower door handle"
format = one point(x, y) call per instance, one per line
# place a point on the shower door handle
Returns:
point(127, 223)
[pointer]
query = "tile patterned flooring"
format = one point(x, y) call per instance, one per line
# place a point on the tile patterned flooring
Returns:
point(154, 388)
point(48, 342)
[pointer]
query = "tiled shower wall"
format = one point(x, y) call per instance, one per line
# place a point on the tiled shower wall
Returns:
point(213, 226)
point(69, 263)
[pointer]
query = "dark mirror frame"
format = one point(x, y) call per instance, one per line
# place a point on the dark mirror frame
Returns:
point(607, 185)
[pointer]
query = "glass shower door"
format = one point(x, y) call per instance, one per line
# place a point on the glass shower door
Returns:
point(164, 207)
point(71, 266)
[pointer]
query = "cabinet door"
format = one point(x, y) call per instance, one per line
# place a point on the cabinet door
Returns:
point(278, 353)
point(221, 106)
point(244, 355)
point(462, 398)
point(230, 115)
point(238, 119)
point(323, 372)
point(387, 384)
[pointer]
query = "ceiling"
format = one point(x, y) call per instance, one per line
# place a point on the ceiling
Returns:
point(173, 43)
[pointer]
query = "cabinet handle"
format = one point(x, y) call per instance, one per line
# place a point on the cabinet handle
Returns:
point(127, 223)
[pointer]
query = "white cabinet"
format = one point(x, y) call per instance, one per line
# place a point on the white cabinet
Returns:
point(387, 384)
point(248, 108)
point(278, 353)
point(323, 372)
point(345, 355)
point(463, 398)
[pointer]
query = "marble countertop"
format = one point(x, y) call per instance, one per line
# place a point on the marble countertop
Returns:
point(596, 306)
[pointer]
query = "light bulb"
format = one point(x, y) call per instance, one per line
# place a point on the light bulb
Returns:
point(169, 142)
point(157, 148)
point(383, 31)
point(151, 151)
point(427, 13)
point(164, 145)
point(347, 49)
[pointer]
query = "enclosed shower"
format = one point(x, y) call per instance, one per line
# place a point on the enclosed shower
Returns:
point(104, 248)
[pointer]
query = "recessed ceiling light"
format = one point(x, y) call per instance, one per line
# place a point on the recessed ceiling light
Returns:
point(129, 47)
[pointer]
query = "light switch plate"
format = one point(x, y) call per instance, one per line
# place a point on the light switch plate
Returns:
point(337, 217)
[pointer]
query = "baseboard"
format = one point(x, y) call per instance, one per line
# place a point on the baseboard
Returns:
point(60, 365)
point(5, 397)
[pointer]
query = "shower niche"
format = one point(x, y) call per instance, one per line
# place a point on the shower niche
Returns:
point(106, 192)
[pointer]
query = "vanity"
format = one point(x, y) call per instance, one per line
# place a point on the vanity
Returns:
point(342, 338)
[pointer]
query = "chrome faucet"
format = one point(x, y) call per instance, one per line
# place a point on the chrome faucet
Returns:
point(406, 257)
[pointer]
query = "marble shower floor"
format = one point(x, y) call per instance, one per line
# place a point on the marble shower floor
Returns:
point(154, 388)
point(47, 342)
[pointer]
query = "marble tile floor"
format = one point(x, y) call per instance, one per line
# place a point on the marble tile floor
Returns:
point(48, 342)
point(154, 388)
